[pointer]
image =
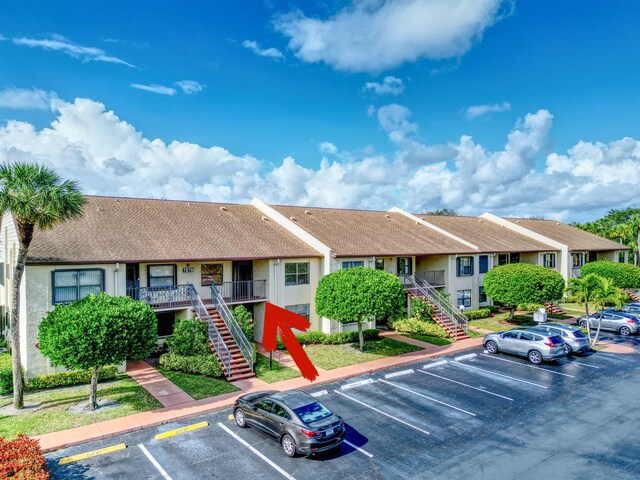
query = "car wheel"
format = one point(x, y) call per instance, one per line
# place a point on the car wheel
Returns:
point(241, 420)
point(535, 357)
point(583, 323)
point(491, 346)
point(288, 445)
point(624, 330)
point(568, 348)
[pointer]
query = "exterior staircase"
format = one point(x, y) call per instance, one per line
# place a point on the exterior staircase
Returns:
point(633, 295)
point(553, 308)
point(442, 311)
point(239, 366)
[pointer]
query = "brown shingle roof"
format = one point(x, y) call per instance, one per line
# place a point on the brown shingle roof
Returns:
point(488, 236)
point(360, 233)
point(574, 238)
point(132, 230)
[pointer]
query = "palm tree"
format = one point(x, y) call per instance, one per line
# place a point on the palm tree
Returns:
point(583, 289)
point(606, 293)
point(36, 196)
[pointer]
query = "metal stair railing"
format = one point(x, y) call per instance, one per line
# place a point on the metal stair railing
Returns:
point(417, 285)
point(236, 332)
point(214, 335)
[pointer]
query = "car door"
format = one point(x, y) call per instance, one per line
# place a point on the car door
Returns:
point(608, 321)
point(508, 341)
point(281, 418)
point(594, 318)
point(523, 345)
point(262, 418)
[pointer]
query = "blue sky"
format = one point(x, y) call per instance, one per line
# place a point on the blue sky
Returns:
point(519, 108)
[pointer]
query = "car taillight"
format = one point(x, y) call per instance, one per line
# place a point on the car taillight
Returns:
point(631, 321)
point(309, 433)
point(549, 343)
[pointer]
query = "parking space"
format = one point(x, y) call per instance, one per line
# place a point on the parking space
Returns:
point(438, 416)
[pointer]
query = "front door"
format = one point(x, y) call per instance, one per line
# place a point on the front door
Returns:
point(133, 280)
point(242, 280)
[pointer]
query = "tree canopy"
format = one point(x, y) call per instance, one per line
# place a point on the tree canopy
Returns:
point(623, 275)
point(359, 294)
point(618, 225)
point(521, 283)
point(98, 331)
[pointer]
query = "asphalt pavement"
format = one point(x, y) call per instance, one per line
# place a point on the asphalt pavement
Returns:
point(471, 416)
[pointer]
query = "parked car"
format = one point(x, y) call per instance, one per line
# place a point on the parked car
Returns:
point(621, 322)
point(296, 419)
point(576, 341)
point(633, 308)
point(536, 345)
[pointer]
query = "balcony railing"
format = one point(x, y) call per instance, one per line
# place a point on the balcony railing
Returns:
point(163, 297)
point(244, 291)
point(434, 277)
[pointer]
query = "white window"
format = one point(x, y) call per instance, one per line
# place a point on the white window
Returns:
point(549, 260)
point(296, 273)
point(162, 275)
point(352, 264)
point(302, 309)
point(464, 266)
point(464, 298)
point(577, 259)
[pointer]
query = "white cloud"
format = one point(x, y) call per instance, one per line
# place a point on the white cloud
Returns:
point(389, 86)
point(109, 156)
point(61, 44)
point(27, 99)
point(375, 35)
point(153, 88)
point(263, 52)
point(190, 87)
point(476, 111)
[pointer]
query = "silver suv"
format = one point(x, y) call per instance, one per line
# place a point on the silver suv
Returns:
point(621, 322)
point(536, 345)
point(576, 341)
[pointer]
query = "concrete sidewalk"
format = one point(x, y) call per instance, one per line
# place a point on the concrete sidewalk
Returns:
point(185, 409)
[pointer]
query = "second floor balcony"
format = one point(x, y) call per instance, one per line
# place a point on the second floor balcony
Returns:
point(243, 291)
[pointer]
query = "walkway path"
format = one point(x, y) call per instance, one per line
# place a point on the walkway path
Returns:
point(165, 391)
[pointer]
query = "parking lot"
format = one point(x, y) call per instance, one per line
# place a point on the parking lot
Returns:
point(471, 416)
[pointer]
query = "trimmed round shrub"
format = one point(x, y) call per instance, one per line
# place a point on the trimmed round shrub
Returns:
point(523, 283)
point(624, 275)
point(189, 338)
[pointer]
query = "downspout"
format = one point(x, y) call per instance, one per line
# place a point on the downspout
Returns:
point(115, 279)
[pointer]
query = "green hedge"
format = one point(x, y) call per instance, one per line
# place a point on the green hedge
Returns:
point(6, 374)
point(477, 314)
point(199, 364)
point(321, 338)
point(418, 327)
point(624, 275)
point(68, 379)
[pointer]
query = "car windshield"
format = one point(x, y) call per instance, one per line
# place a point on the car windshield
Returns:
point(579, 334)
point(313, 412)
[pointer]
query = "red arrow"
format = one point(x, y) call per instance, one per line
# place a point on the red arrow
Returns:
point(277, 318)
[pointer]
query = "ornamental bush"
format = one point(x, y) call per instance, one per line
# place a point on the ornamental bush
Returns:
point(68, 379)
point(6, 374)
point(199, 364)
point(245, 321)
point(189, 338)
point(321, 338)
point(420, 309)
point(477, 314)
point(521, 283)
point(418, 327)
point(22, 458)
point(624, 275)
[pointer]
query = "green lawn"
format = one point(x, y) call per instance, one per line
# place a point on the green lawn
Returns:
point(429, 339)
point(498, 322)
point(277, 373)
point(473, 334)
point(199, 386)
point(329, 357)
point(52, 415)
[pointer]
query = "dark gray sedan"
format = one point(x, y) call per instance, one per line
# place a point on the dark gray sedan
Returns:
point(299, 422)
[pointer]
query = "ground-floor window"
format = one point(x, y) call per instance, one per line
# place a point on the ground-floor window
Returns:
point(464, 298)
point(71, 285)
point(301, 309)
point(482, 297)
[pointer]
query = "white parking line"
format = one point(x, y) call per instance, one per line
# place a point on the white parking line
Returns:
point(427, 397)
point(361, 450)
point(465, 385)
point(382, 413)
point(281, 471)
point(319, 393)
point(501, 375)
point(154, 462)
point(463, 357)
point(525, 365)
point(575, 362)
point(356, 384)
point(435, 364)
point(398, 374)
